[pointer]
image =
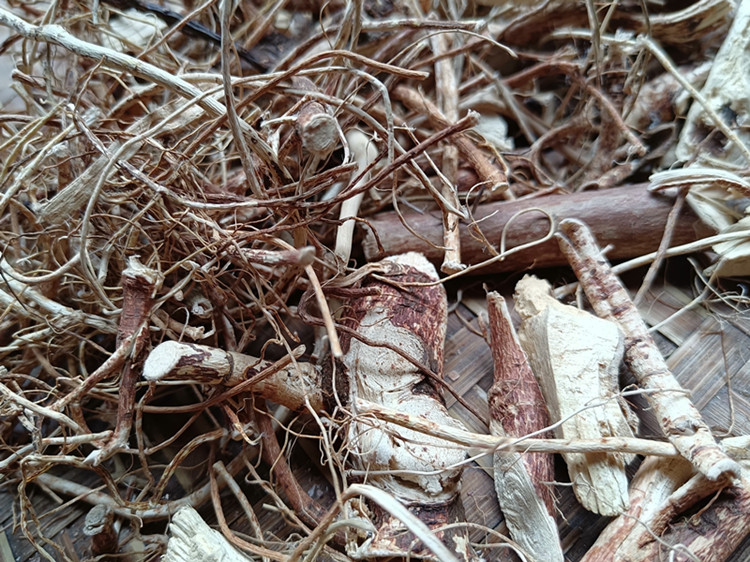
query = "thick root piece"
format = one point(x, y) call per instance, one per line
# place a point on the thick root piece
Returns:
point(517, 409)
point(576, 357)
point(397, 333)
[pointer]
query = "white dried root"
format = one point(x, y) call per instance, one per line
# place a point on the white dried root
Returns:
point(364, 151)
point(190, 538)
point(293, 385)
point(576, 358)
point(722, 106)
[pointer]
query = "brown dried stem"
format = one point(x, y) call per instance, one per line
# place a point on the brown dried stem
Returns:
point(139, 286)
point(308, 510)
point(627, 218)
point(489, 175)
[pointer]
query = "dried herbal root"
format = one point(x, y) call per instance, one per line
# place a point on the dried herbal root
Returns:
point(479, 442)
point(517, 408)
point(714, 187)
point(678, 417)
point(391, 320)
point(304, 256)
point(316, 127)
point(309, 511)
point(139, 286)
point(490, 175)
point(169, 119)
point(725, 91)
point(451, 234)
point(190, 538)
point(99, 525)
point(654, 528)
point(293, 385)
point(143, 512)
point(446, 85)
point(364, 151)
point(576, 357)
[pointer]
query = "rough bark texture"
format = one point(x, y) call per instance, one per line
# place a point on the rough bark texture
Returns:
point(629, 218)
point(139, 285)
point(711, 534)
point(678, 417)
point(660, 523)
point(517, 408)
point(514, 398)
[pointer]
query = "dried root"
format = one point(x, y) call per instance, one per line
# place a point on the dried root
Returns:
point(253, 159)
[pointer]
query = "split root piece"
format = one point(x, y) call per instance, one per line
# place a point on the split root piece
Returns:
point(421, 471)
point(517, 408)
point(656, 527)
point(576, 358)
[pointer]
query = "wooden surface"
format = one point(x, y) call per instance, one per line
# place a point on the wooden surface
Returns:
point(705, 350)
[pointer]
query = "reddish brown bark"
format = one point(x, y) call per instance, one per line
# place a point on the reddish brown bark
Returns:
point(515, 398)
point(420, 310)
point(659, 525)
point(386, 318)
point(307, 509)
point(714, 533)
point(630, 219)
point(139, 284)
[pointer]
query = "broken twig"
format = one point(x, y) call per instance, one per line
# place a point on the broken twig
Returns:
point(678, 417)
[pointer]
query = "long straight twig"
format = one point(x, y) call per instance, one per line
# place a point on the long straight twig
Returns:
point(489, 443)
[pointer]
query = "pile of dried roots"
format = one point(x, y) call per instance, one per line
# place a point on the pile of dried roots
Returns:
point(199, 208)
